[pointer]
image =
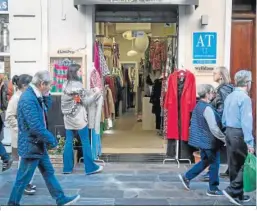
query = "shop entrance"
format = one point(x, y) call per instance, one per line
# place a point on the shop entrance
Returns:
point(140, 37)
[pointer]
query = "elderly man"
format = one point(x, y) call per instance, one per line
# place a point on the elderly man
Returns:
point(238, 120)
point(34, 139)
point(205, 134)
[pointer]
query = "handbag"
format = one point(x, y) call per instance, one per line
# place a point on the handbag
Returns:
point(36, 147)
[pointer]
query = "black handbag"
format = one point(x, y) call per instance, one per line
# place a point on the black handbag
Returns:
point(36, 147)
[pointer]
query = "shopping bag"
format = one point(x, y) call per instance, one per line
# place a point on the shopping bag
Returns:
point(249, 176)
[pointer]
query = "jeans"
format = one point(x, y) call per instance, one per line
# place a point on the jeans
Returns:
point(26, 172)
point(208, 158)
point(68, 157)
point(3, 154)
point(19, 163)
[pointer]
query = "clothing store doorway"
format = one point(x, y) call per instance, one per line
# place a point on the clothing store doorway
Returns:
point(142, 39)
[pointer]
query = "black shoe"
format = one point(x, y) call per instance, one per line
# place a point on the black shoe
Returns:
point(34, 187)
point(7, 165)
point(244, 199)
point(233, 200)
point(29, 191)
point(184, 181)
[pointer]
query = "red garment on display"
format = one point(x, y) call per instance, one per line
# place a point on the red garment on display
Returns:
point(187, 104)
point(109, 80)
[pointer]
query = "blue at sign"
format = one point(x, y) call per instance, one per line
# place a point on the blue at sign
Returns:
point(204, 47)
point(3, 5)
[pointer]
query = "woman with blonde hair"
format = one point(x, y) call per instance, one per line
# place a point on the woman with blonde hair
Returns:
point(221, 75)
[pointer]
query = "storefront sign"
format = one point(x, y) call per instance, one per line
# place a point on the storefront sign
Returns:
point(65, 51)
point(204, 69)
point(3, 5)
point(204, 48)
point(138, 34)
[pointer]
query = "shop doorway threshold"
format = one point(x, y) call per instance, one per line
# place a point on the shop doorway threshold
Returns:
point(134, 157)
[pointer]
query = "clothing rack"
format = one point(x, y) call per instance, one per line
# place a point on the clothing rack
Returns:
point(177, 159)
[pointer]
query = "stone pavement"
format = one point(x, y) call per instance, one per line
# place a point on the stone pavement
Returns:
point(122, 184)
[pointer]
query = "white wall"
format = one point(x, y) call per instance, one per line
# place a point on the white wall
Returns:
point(189, 22)
point(67, 26)
point(26, 36)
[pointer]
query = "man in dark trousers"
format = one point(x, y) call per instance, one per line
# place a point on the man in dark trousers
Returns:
point(238, 120)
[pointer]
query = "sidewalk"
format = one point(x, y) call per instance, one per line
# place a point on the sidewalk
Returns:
point(122, 184)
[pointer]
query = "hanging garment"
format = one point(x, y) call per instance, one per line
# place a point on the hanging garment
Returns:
point(95, 109)
point(97, 58)
point(157, 54)
point(110, 101)
point(109, 80)
point(155, 100)
point(116, 55)
point(187, 102)
point(96, 144)
point(104, 70)
point(59, 77)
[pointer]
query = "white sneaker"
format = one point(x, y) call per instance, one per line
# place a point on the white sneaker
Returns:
point(100, 169)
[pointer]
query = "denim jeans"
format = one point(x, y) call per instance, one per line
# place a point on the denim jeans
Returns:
point(25, 173)
point(208, 158)
point(68, 157)
point(3, 154)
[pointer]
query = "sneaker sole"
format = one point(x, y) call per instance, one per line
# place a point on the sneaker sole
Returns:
point(73, 201)
point(245, 201)
point(29, 193)
point(230, 198)
point(97, 171)
point(184, 184)
point(209, 194)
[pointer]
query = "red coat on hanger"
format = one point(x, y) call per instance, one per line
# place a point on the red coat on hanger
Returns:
point(188, 102)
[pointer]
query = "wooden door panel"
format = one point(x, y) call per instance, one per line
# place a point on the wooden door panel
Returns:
point(243, 52)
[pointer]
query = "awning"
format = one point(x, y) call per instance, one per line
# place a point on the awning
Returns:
point(137, 2)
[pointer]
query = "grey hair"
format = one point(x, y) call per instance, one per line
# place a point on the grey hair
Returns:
point(42, 77)
point(224, 74)
point(203, 89)
point(242, 78)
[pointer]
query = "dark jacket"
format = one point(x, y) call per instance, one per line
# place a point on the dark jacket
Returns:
point(33, 136)
point(222, 92)
point(200, 134)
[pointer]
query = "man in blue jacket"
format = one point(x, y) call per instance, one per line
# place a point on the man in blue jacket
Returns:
point(34, 139)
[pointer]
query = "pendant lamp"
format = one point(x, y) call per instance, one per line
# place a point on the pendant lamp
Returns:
point(132, 52)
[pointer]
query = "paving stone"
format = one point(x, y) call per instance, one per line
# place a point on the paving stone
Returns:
point(137, 178)
point(141, 202)
point(101, 193)
point(96, 202)
point(166, 194)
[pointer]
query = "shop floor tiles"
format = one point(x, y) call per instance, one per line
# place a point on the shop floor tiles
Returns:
point(128, 137)
point(123, 184)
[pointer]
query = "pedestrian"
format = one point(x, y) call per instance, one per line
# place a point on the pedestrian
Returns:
point(22, 83)
point(222, 76)
point(205, 134)
point(238, 120)
point(34, 139)
point(74, 103)
point(5, 157)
